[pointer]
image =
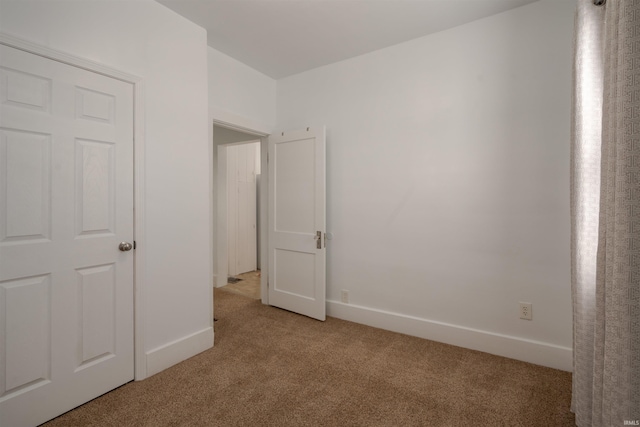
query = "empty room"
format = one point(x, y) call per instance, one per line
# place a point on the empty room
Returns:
point(430, 209)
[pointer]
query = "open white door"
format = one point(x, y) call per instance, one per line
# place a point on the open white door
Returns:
point(66, 204)
point(297, 254)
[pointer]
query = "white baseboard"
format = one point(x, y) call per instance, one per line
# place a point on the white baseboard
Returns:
point(175, 352)
point(536, 352)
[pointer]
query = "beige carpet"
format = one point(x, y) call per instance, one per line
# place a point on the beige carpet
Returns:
point(270, 367)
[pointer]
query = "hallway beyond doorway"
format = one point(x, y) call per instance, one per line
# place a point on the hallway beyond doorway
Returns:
point(248, 285)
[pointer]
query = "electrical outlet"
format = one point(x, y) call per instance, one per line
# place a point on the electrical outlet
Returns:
point(526, 311)
point(344, 296)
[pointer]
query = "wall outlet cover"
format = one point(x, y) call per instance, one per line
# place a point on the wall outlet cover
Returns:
point(344, 296)
point(526, 311)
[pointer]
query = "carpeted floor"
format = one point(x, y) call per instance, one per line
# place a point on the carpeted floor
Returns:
point(270, 367)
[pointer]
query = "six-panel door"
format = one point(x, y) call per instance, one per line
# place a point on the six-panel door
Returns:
point(66, 202)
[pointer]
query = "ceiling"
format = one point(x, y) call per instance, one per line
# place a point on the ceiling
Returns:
point(284, 37)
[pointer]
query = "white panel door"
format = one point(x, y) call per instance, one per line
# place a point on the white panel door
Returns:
point(297, 254)
point(66, 202)
point(232, 210)
point(242, 204)
point(247, 249)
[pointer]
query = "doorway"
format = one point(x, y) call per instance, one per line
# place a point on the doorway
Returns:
point(297, 156)
point(240, 211)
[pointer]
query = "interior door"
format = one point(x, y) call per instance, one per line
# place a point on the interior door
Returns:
point(232, 210)
point(297, 198)
point(247, 250)
point(242, 168)
point(66, 203)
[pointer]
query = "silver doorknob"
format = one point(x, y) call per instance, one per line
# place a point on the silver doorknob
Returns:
point(125, 246)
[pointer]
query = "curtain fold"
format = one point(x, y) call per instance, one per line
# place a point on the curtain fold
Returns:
point(585, 198)
point(605, 214)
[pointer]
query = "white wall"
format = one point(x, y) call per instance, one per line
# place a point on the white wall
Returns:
point(240, 95)
point(448, 181)
point(170, 54)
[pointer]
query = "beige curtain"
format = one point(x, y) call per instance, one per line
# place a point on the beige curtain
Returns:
point(605, 214)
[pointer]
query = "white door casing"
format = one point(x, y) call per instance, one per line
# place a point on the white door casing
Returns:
point(297, 221)
point(66, 291)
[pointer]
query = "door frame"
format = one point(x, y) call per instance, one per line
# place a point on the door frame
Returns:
point(220, 198)
point(140, 362)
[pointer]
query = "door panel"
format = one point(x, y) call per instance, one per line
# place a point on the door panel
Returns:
point(294, 272)
point(27, 303)
point(295, 181)
point(297, 254)
point(96, 289)
point(66, 187)
point(25, 197)
point(94, 181)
